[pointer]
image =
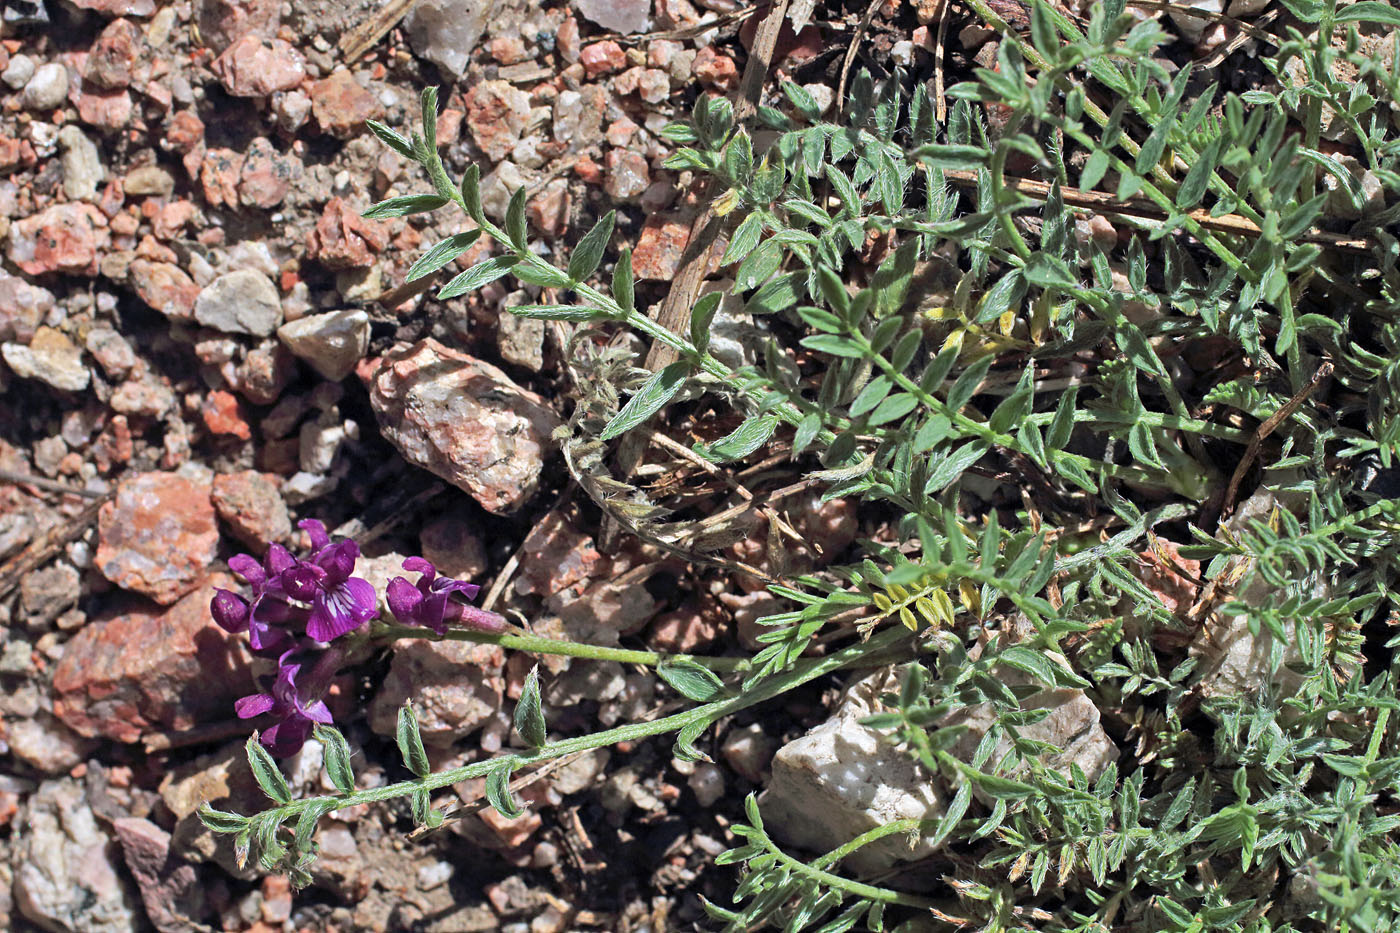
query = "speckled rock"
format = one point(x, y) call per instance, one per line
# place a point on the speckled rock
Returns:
point(332, 342)
point(64, 877)
point(165, 287)
point(151, 670)
point(456, 687)
point(445, 32)
point(241, 302)
point(81, 162)
point(170, 887)
point(61, 238)
point(223, 22)
point(23, 308)
point(118, 7)
point(157, 536)
point(624, 16)
point(50, 357)
point(341, 106)
point(45, 744)
point(464, 420)
point(252, 508)
point(257, 67)
point(497, 112)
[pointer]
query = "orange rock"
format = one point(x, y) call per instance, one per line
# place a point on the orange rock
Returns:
point(164, 287)
point(600, 58)
point(340, 105)
point(185, 132)
point(222, 413)
point(660, 247)
point(63, 238)
point(151, 669)
point(157, 536)
point(219, 175)
point(257, 67)
point(345, 240)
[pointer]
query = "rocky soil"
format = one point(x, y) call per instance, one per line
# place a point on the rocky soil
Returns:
point(203, 342)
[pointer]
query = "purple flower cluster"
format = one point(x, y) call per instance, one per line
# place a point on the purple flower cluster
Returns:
point(299, 606)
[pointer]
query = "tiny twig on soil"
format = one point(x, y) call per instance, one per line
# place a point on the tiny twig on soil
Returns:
point(1227, 503)
point(45, 546)
point(367, 34)
point(1248, 29)
point(940, 97)
point(48, 485)
point(1239, 39)
point(673, 312)
point(851, 51)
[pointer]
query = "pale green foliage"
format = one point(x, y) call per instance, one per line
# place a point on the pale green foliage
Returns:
point(914, 334)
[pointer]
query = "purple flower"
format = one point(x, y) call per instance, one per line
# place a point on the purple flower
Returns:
point(339, 602)
point(296, 715)
point(266, 618)
point(431, 603)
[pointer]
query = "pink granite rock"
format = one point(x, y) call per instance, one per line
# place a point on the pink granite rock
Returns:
point(157, 536)
point(464, 420)
point(151, 669)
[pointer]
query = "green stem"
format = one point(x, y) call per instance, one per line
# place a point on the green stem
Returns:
point(536, 644)
point(854, 888)
point(801, 673)
point(1153, 419)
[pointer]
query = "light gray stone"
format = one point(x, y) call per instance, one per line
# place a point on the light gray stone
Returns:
point(47, 89)
point(47, 745)
point(856, 781)
point(842, 779)
point(304, 487)
point(64, 877)
point(82, 164)
point(1072, 726)
point(242, 302)
point(520, 339)
point(18, 72)
point(50, 357)
point(332, 343)
point(1234, 661)
point(446, 32)
point(624, 16)
point(23, 307)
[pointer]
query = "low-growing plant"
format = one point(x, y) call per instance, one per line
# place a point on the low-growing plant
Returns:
point(1028, 402)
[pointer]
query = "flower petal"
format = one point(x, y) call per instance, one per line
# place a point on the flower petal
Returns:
point(229, 610)
point(420, 565)
point(337, 610)
point(318, 711)
point(277, 561)
point(287, 737)
point(255, 705)
point(316, 531)
point(449, 585)
point(433, 612)
point(404, 600)
point(303, 580)
point(338, 560)
point(247, 569)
